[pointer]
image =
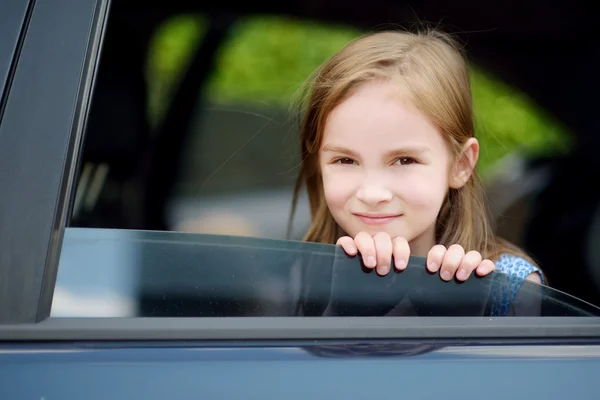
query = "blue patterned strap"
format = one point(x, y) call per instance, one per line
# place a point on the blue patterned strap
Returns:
point(516, 269)
point(517, 266)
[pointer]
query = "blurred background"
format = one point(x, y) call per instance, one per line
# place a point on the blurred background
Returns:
point(192, 127)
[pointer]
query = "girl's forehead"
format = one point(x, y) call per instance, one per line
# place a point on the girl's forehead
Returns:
point(377, 116)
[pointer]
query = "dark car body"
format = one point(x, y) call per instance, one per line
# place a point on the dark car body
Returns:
point(195, 370)
point(49, 52)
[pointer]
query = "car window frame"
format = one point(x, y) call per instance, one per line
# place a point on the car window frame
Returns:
point(13, 23)
point(34, 215)
point(53, 82)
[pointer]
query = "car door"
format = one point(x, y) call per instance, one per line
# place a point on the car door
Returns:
point(44, 113)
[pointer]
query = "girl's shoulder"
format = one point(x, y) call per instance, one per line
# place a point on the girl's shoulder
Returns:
point(517, 266)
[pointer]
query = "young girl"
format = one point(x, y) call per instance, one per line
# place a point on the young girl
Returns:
point(388, 159)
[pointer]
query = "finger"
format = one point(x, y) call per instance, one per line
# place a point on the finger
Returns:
point(435, 258)
point(348, 245)
point(383, 251)
point(470, 261)
point(401, 253)
point(486, 267)
point(365, 244)
point(452, 260)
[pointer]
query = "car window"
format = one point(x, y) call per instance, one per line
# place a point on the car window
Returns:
point(128, 273)
point(190, 133)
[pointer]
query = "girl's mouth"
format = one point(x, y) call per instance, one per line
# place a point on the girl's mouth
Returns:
point(377, 219)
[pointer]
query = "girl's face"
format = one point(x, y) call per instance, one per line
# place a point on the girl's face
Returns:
point(385, 167)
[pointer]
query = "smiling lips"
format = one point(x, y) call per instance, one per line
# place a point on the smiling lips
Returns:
point(377, 219)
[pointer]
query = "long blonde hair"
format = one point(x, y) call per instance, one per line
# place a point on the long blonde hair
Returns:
point(432, 69)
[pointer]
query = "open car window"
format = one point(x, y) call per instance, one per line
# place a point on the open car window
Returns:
point(112, 273)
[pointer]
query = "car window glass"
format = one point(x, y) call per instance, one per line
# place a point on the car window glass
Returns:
point(171, 274)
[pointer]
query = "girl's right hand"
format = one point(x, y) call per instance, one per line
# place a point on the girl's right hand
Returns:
point(377, 252)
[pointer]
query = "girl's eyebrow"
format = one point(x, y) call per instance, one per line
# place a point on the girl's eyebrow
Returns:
point(412, 150)
point(339, 149)
point(409, 150)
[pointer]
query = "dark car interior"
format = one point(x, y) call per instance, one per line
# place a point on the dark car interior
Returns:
point(545, 49)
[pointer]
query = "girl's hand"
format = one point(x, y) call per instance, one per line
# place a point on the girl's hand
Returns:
point(454, 262)
point(377, 252)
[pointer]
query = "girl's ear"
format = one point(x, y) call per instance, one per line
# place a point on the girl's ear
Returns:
point(465, 164)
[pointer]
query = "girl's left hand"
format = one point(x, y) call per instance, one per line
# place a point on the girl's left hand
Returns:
point(454, 262)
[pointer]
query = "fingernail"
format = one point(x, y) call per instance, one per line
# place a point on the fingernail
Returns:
point(432, 266)
point(384, 269)
point(371, 261)
point(446, 275)
point(400, 264)
point(462, 274)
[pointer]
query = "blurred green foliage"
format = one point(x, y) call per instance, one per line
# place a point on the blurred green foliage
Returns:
point(168, 55)
point(267, 59)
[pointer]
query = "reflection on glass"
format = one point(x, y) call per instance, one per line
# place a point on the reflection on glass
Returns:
point(121, 273)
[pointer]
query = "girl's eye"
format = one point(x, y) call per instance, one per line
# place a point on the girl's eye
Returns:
point(406, 160)
point(344, 160)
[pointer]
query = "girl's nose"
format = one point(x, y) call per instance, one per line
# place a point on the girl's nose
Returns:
point(373, 194)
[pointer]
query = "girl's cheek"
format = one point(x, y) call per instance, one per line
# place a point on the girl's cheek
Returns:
point(423, 191)
point(338, 187)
